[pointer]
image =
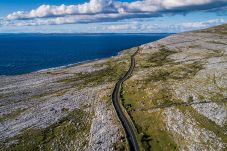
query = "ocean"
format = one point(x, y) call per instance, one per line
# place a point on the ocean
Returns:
point(25, 53)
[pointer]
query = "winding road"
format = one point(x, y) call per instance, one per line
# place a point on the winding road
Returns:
point(116, 102)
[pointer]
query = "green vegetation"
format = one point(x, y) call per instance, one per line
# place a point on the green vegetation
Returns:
point(165, 68)
point(206, 123)
point(218, 42)
point(219, 97)
point(156, 59)
point(121, 145)
point(68, 133)
point(12, 115)
point(175, 72)
point(42, 95)
point(144, 99)
point(150, 127)
point(222, 29)
point(1, 96)
point(114, 70)
point(160, 57)
point(60, 93)
point(54, 73)
point(127, 113)
point(194, 46)
point(163, 97)
point(129, 52)
point(214, 53)
point(190, 99)
point(51, 93)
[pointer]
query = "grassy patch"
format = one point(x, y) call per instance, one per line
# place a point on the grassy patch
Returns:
point(219, 97)
point(12, 115)
point(214, 53)
point(112, 73)
point(194, 46)
point(218, 42)
point(222, 29)
point(129, 52)
point(160, 58)
point(38, 96)
point(163, 97)
point(121, 145)
point(150, 126)
point(57, 93)
point(190, 99)
point(206, 123)
point(164, 68)
point(60, 93)
point(1, 96)
point(68, 133)
point(156, 59)
point(176, 72)
point(58, 72)
point(114, 70)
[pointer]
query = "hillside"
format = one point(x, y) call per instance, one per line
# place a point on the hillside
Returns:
point(176, 99)
point(68, 108)
point(177, 95)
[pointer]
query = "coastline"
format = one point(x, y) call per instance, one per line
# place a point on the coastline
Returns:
point(72, 64)
point(82, 62)
point(29, 67)
point(62, 67)
point(67, 93)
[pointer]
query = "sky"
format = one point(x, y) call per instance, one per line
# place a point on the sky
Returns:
point(110, 16)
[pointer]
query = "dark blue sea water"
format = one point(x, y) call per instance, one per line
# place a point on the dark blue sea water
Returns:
point(24, 53)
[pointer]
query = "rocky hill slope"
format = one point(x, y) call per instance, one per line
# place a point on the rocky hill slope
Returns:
point(68, 108)
point(176, 99)
point(177, 96)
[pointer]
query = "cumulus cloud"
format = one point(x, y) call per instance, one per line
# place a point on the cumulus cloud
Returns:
point(107, 10)
point(93, 7)
point(70, 19)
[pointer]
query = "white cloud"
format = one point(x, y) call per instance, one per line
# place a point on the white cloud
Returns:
point(129, 26)
point(93, 7)
point(198, 25)
point(148, 26)
point(67, 19)
point(107, 6)
point(103, 10)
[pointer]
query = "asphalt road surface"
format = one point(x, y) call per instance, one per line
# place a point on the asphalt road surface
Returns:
point(116, 102)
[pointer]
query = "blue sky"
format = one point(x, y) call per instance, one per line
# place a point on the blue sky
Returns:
point(9, 6)
point(115, 16)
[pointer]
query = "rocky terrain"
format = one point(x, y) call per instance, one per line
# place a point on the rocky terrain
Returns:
point(176, 99)
point(62, 109)
point(177, 96)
